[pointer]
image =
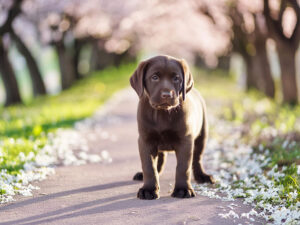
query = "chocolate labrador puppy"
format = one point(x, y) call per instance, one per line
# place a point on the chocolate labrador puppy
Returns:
point(171, 117)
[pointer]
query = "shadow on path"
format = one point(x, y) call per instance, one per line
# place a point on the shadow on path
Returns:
point(66, 193)
point(99, 206)
point(58, 214)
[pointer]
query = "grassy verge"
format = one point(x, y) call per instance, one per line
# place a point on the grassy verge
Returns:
point(24, 128)
point(268, 124)
point(270, 128)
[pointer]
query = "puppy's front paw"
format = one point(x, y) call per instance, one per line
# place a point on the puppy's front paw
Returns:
point(204, 178)
point(148, 194)
point(183, 193)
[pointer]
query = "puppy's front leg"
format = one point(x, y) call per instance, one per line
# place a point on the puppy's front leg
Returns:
point(183, 187)
point(148, 154)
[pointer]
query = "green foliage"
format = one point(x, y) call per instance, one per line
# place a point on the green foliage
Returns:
point(24, 128)
point(271, 128)
point(281, 151)
point(289, 184)
point(257, 113)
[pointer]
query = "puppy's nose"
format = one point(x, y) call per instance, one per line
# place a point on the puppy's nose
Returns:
point(167, 94)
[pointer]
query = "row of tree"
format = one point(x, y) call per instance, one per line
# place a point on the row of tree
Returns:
point(117, 31)
point(251, 42)
point(59, 26)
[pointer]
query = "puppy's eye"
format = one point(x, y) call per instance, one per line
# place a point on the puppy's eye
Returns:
point(155, 77)
point(176, 79)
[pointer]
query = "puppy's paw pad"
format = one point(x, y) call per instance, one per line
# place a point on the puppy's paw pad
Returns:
point(183, 193)
point(205, 178)
point(138, 176)
point(147, 194)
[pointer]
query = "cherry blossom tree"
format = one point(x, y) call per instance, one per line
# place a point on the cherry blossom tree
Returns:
point(176, 28)
point(280, 21)
point(6, 69)
point(115, 31)
point(69, 29)
point(283, 21)
point(12, 10)
point(252, 24)
point(249, 39)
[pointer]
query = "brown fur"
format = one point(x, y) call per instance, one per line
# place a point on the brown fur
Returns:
point(171, 117)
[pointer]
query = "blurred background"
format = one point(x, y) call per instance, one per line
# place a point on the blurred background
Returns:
point(46, 45)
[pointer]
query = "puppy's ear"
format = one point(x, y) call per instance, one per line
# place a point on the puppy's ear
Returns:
point(137, 78)
point(188, 80)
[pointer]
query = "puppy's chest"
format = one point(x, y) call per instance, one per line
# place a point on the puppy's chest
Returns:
point(166, 126)
point(166, 134)
point(165, 140)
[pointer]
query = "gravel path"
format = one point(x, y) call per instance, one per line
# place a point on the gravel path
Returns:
point(104, 193)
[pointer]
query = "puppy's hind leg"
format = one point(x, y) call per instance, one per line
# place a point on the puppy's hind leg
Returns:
point(162, 156)
point(138, 176)
point(200, 143)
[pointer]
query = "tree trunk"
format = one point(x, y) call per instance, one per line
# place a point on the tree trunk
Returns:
point(125, 57)
point(262, 70)
point(94, 57)
point(35, 75)
point(287, 63)
point(9, 78)
point(66, 66)
point(258, 74)
point(224, 62)
point(76, 57)
point(251, 78)
point(199, 61)
point(101, 58)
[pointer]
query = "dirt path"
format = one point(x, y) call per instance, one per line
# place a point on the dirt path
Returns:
point(104, 193)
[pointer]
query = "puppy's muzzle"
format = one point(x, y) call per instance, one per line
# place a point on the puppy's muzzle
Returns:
point(166, 94)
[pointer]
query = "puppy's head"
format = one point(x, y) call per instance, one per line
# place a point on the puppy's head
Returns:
point(162, 79)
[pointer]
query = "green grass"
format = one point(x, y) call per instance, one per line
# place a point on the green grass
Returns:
point(24, 128)
point(258, 114)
